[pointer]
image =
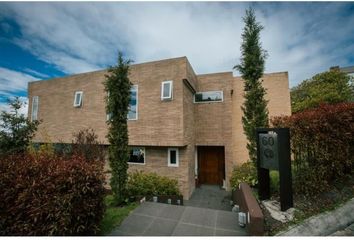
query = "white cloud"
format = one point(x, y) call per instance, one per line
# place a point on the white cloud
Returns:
point(13, 81)
point(35, 73)
point(302, 38)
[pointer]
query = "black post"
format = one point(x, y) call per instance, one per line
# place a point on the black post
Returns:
point(285, 179)
point(263, 184)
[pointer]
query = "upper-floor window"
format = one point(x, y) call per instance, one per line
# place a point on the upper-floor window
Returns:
point(108, 115)
point(173, 157)
point(136, 155)
point(34, 113)
point(78, 98)
point(210, 96)
point(133, 105)
point(166, 90)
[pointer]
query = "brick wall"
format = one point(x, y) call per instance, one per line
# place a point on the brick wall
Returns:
point(213, 124)
point(160, 124)
point(156, 161)
point(278, 94)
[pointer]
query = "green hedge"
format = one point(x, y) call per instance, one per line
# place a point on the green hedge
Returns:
point(150, 184)
point(50, 195)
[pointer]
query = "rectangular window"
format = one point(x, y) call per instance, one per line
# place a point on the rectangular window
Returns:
point(34, 114)
point(210, 96)
point(136, 155)
point(166, 90)
point(133, 105)
point(78, 99)
point(109, 116)
point(173, 157)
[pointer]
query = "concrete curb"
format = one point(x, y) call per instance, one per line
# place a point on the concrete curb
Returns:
point(324, 224)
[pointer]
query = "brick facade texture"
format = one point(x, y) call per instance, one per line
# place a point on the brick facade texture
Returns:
point(160, 124)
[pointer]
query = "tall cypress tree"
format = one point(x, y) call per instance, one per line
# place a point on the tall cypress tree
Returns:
point(117, 85)
point(251, 67)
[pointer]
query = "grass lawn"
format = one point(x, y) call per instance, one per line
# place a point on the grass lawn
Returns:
point(114, 216)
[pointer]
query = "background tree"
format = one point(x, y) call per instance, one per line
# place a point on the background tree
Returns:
point(117, 85)
point(328, 87)
point(16, 130)
point(255, 113)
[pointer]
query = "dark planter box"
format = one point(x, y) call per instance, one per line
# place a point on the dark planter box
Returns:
point(164, 199)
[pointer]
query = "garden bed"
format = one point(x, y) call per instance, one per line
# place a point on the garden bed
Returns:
point(307, 206)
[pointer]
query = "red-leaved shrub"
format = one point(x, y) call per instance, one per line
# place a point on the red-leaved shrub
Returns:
point(322, 142)
point(50, 195)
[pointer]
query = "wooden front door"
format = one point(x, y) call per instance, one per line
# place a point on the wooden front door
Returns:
point(211, 165)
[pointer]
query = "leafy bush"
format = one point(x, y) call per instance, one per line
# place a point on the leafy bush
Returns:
point(322, 142)
point(246, 173)
point(85, 143)
point(63, 149)
point(150, 184)
point(50, 195)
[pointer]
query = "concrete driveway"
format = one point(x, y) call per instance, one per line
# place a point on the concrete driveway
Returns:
point(158, 219)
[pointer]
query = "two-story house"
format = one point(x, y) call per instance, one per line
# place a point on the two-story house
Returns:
point(180, 124)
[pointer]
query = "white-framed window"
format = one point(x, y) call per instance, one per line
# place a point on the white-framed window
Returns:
point(166, 90)
point(78, 98)
point(137, 155)
point(173, 157)
point(209, 96)
point(133, 105)
point(34, 112)
point(108, 116)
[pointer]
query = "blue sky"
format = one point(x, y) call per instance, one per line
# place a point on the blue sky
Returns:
point(45, 40)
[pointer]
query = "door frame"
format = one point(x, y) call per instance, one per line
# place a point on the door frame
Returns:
point(221, 164)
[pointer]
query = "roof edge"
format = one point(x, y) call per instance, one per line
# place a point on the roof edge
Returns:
point(106, 69)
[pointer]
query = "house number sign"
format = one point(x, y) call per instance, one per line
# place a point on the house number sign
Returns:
point(273, 153)
point(269, 150)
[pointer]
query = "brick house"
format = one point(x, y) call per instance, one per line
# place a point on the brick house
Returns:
point(181, 125)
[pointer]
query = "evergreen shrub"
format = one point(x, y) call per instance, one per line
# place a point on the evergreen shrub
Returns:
point(142, 184)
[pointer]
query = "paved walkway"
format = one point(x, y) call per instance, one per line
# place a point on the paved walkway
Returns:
point(158, 219)
point(209, 196)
